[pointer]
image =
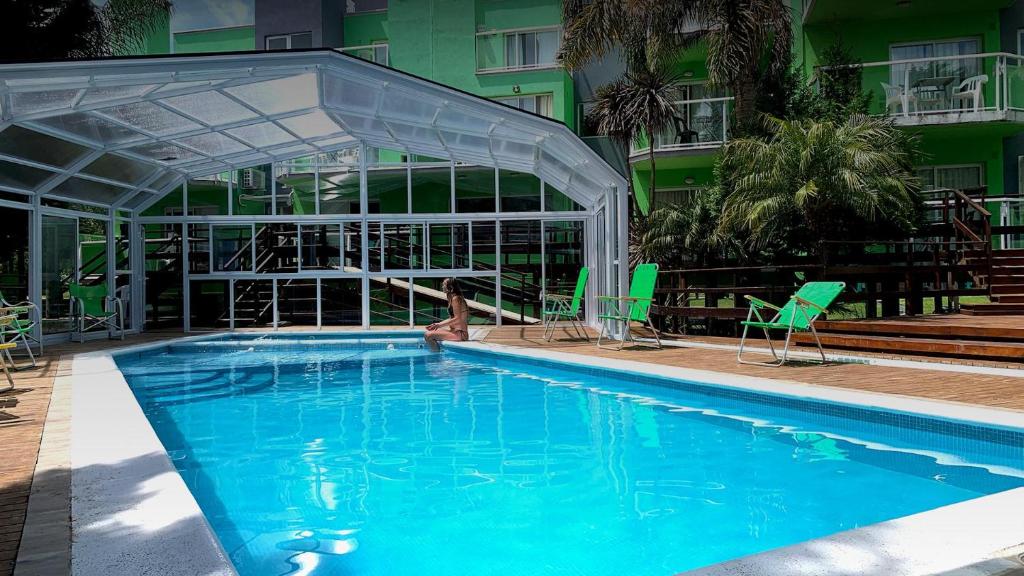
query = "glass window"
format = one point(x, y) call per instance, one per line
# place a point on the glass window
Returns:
point(277, 248)
point(14, 256)
point(521, 269)
point(538, 104)
point(518, 191)
point(484, 245)
point(389, 301)
point(402, 246)
point(341, 302)
point(432, 189)
point(39, 147)
point(556, 201)
point(198, 248)
point(209, 304)
point(232, 247)
point(119, 168)
point(252, 191)
point(474, 189)
point(931, 82)
point(296, 301)
point(164, 305)
point(387, 184)
point(324, 245)
point(372, 52)
point(563, 255)
point(21, 176)
point(296, 186)
point(254, 303)
point(449, 246)
point(290, 41)
point(500, 51)
point(357, 6)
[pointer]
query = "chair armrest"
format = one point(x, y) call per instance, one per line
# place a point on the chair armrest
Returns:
point(761, 303)
point(808, 303)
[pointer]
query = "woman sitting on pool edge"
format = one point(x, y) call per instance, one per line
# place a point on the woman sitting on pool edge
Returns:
point(455, 328)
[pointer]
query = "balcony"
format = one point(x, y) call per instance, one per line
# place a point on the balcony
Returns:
point(946, 89)
point(699, 126)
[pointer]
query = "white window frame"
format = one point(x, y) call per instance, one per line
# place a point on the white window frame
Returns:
point(516, 32)
point(288, 37)
point(549, 95)
point(375, 46)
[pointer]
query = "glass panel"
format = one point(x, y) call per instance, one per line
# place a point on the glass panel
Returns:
point(92, 251)
point(449, 246)
point(302, 40)
point(432, 189)
point(430, 304)
point(208, 304)
point(518, 191)
point(341, 302)
point(563, 256)
point(211, 107)
point(277, 43)
point(321, 246)
point(120, 168)
point(14, 255)
point(521, 269)
point(339, 188)
point(528, 49)
point(213, 144)
point(312, 125)
point(483, 246)
point(82, 189)
point(208, 196)
point(261, 135)
point(373, 248)
point(357, 6)
point(389, 301)
point(59, 268)
point(296, 186)
point(387, 190)
point(39, 147)
point(490, 51)
point(547, 47)
point(277, 248)
point(280, 95)
point(21, 176)
point(474, 189)
point(169, 205)
point(480, 296)
point(29, 102)
point(232, 248)
point(198, 248)
point(151, 118)
point(254, 303)
point(94, 128)
point(164, 305)
point(403, 247)
point(105, 93)
point(123, 266)
point(296, 302)
point(252, 191)
point(555, 201)
point(353, 242)
point(165, 152)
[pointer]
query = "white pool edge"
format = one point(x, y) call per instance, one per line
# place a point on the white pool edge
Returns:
point(142, 518)
point(131, 512)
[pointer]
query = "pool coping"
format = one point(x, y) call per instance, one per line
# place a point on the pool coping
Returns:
point(142, 518)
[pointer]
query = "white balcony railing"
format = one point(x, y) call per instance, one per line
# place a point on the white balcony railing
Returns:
point(931, 89)
point(698, 124)
point(517, 50)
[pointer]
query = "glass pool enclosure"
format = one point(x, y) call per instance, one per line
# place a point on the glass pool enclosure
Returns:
point(301, 188)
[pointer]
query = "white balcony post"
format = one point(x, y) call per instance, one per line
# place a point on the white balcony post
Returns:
point(905, 92)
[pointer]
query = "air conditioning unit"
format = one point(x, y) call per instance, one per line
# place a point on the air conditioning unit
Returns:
point(253, 179)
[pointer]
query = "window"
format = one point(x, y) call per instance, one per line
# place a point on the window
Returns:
point(290, 41)
point(672, 196)
point(358, 6)
point(538, 104)
point(517, 50)
point(377, 52)
point(957, 177)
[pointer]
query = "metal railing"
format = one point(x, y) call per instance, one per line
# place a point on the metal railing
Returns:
point(922, 87)
point(701, 123)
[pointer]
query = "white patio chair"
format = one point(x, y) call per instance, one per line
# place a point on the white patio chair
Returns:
point(970, 90)
point(896, 96)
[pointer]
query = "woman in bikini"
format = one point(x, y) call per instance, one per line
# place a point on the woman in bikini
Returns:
point(455, 328)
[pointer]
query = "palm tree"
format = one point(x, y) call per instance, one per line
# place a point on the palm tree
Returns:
point(807, 181)
point(62, 29)
point(640, 101)
point(747, 40)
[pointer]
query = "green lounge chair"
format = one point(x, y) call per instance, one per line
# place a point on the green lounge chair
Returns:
point(23, 326)
point(5, 347)
point(633, 308)
point(92, 310)
point(564, 307)
point(798, 315)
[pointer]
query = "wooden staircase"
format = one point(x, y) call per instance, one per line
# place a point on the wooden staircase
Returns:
point(1006, 285)
point(948, 335)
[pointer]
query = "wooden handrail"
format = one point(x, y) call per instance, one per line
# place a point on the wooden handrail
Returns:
point(970, 202)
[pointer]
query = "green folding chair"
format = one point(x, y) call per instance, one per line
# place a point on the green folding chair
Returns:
point(5, 348)
point(564, 307)
point(23, 326)
point(91, 307)
point(798, 315)
point(633, 308)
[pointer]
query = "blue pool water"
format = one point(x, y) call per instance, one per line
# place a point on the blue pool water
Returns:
point(372, 456)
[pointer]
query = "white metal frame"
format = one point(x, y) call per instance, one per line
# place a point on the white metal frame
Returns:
point(333, 102)
point(519, 67)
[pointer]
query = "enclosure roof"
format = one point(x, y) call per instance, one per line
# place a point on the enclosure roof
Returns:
point(122, 132)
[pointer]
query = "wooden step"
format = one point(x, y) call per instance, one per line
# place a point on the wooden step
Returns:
point(1008, 298)
point(937, 326)
point(1016, 288)
point(927, 346)
point(992, 309)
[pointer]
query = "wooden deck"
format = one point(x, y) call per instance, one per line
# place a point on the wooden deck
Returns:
point(23, 410)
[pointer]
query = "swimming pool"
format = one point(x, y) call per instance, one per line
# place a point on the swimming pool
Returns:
point(370, 455)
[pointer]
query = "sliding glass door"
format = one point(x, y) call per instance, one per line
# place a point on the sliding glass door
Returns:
point(60, 268)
